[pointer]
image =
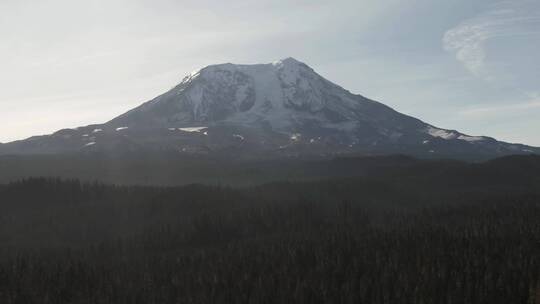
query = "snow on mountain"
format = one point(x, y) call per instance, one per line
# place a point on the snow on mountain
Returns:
point(280, 108)
point(282, 94)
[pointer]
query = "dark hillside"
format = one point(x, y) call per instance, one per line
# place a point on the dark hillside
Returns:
point(424, 232)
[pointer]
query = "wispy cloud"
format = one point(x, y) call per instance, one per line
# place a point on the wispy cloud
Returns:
point(500, 110)
point(505, 19)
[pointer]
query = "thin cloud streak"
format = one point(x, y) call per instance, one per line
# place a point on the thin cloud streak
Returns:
point(500, 110)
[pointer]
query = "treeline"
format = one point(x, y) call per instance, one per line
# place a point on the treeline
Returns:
point(166, 169)
point(422, 236)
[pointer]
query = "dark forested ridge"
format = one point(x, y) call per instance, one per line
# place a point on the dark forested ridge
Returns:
point(172, 169)
point(409, 232)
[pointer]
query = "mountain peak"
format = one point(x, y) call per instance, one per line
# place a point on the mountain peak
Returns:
point(290, 64)
point(283, 107)
point(288, 61)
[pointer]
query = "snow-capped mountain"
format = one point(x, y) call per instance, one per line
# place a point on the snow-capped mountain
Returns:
point(279, 109)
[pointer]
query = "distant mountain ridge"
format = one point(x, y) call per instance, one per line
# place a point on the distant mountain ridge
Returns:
point(281, 109)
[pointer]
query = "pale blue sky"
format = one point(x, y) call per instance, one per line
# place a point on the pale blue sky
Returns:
point(466, 65)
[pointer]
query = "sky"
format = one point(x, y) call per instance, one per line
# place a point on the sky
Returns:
point(471, 66)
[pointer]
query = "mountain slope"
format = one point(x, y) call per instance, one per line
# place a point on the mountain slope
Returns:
point(266, 110)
